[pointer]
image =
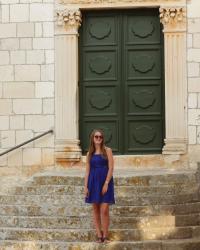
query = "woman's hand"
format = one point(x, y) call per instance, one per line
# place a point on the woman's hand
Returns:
point(105, 188)
point(86, 191)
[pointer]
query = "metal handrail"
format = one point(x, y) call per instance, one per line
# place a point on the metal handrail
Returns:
point(26, 142)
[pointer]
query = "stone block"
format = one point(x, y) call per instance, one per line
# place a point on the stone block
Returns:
point(193, 25)
point(6, 73)
point(194, 55)
point(48, 106)
point(198, 100)
point(196, 40)
point(31, 1)
point(189, 40)
point(5, 106)
point(38, 30)
point(25, 29)
point(9, 1)
point(27, 72)
point(4, 57)
point(24, 135)
point(41, 12)
point(26, 43)
point(4, 122)
point(19, 90)
point(43, 43)
point(193, 8)
point(194, 84)
point(192, 134)
point(15, 158)
point(192, 100)
point(198, 135)
point(193, 69)
point(9, 44)
point(5, 13)
point(49, 56)
point(1, 90)
point(194, 117)
point(44, 89)
point(48, 29)
point(7, 138)
point(27, 106)
point(17, 57)
point(39, 123)
point(3, 159)
point(8, 30)
point(31, 156)
point(19, 13)
point(35, 57)
point(45, 141)
point(17, 122)
point(47, 72)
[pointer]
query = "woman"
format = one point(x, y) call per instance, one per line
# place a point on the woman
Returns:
point(99, 186)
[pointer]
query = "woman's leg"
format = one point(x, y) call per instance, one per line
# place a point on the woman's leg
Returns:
point(97, 219)
point(105, 218)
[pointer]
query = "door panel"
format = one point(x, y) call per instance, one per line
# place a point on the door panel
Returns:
point(142, 133)
point(143, 63)
point(144, 100)
point(100, 65)
point(121, 80)
point(143, 27)
point(143, 82)
point(100, 78)
point(100, 101)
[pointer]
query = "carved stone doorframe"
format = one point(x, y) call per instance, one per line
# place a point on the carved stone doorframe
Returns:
point(68, 20)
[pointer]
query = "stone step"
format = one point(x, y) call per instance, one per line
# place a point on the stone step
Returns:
point(115, 210)
point(79, 199)
point(78, 235)
point(85, 222)
point(119, 190)
point(183, 244)
point(133, 179)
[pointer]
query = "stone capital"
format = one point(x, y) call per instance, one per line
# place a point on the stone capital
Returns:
point(68, 21)
point(173, 19)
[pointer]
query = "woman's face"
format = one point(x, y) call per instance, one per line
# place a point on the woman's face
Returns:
point(98, 137)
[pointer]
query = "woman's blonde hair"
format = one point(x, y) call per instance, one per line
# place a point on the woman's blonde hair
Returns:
point(91, 149)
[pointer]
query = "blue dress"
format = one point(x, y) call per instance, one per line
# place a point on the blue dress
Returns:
point(96, 180)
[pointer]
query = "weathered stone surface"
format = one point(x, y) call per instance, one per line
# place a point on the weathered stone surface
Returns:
point(121, 191)
point(134, 180)
point(152, 210)
point(89, 235)
point(84, 222)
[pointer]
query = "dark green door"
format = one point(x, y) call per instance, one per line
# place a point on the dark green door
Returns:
point(121, 80)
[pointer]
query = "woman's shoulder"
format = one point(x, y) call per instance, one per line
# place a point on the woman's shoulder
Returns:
point(108, 150)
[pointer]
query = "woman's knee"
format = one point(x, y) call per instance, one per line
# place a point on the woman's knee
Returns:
point(105, 210)
point(96, 208)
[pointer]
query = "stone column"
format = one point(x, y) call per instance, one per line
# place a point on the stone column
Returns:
point(173, 20)
point(66, 85)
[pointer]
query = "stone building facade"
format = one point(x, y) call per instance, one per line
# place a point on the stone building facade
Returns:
point(39, 74)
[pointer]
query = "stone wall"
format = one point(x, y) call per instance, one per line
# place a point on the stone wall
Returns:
point(26, 80)
point(193, 45)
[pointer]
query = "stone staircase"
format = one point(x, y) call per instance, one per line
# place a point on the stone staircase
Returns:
point(155, 209)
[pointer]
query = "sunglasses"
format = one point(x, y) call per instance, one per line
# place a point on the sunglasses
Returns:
point(98, 137)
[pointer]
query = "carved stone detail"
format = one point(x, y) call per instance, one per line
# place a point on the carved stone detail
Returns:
point(68, 17)
point(172, 17)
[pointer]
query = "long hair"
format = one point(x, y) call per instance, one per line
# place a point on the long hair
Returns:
point(91, 149)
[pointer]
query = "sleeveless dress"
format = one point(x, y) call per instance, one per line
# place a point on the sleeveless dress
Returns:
point(96, 180)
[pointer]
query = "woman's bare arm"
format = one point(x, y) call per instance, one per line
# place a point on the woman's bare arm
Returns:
point(110, 165)
point(87, 170)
